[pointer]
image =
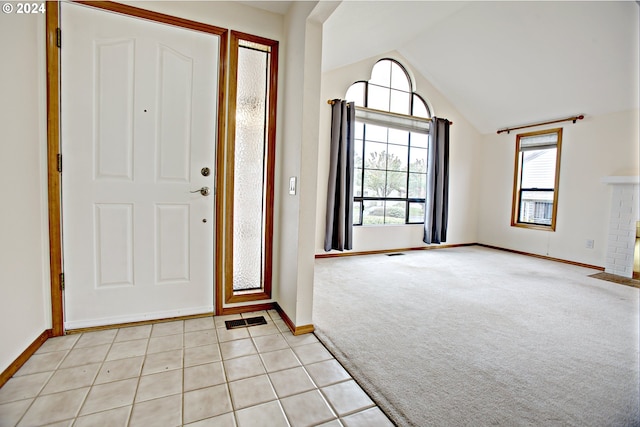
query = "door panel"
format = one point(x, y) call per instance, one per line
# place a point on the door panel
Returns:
point(114, 244)
point(174, 124)
point(114, 100)
point(172, 247)
point(138, 123)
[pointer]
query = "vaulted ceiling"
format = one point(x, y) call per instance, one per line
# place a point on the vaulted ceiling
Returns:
point(499, 63)
point(502, 63)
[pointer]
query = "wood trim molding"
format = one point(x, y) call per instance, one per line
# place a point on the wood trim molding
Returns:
point(385, 251)
point(388, 251)
point(304, 329)
point(248, 308)
point(24, 356)
point(153, 16)
point(53, 150)
point(270, 148)
point(295, 330)
point(53, 134)
point(220, 175)
point(515, 203)
point(264, 293)
point(548, 258)
point(227, 171)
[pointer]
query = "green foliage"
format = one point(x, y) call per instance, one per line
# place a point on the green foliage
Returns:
point(379, 220)
point(395, 212)
point(378, 182)
point(385, 175)
point(376, 215)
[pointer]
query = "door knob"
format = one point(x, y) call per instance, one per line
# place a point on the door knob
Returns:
point(205, 191)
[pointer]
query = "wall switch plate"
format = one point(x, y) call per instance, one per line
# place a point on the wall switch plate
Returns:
point(589, 244)
point(292, 185)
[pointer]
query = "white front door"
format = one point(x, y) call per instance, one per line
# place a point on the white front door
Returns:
point(138, 125)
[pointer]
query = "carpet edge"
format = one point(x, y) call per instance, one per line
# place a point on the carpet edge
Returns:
point(396, 416)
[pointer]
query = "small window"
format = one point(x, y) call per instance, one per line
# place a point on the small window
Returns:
point(537, 171)
point(389, 160)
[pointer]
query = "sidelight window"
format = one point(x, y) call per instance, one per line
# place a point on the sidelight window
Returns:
point(249, 166)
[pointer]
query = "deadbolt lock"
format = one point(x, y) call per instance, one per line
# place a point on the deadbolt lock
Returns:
point(205, 171)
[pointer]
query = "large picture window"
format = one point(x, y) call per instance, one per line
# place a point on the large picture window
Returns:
point(389, 163)
point(535, 189)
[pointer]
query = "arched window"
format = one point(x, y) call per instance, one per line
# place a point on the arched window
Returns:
point(389, 162)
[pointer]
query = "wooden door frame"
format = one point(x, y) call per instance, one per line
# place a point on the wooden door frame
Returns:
point(53, 41)
point(269, 154)
point(53, 149)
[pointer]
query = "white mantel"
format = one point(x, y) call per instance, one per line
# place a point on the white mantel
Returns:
point(625, 211)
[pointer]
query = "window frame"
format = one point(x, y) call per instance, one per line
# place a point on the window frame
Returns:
point(517, 181)
point(226, 164)
point(359, 201)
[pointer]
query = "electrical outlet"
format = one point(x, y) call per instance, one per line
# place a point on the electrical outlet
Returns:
point(589, 244)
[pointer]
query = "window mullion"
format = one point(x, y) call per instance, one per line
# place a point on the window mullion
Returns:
point(366, 94)
point(387, 189)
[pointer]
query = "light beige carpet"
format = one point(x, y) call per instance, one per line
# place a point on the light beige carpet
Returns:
point(473, 336)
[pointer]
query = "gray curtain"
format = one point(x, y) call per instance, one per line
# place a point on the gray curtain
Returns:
point(436, 209)
point(339, 221)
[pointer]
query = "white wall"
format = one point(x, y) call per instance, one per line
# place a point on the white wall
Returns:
point(463, 172)
point(25, 305)
point(224, 14)
point(593, 148)
point(298, 158)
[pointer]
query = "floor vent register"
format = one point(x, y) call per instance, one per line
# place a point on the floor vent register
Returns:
point(243, 323)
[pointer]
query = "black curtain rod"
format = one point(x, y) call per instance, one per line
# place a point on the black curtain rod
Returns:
point(572, 119)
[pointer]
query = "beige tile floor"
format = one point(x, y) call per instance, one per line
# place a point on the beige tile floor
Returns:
point(192, 373)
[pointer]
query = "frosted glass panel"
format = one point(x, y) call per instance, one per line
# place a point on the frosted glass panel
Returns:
point(248, 204)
